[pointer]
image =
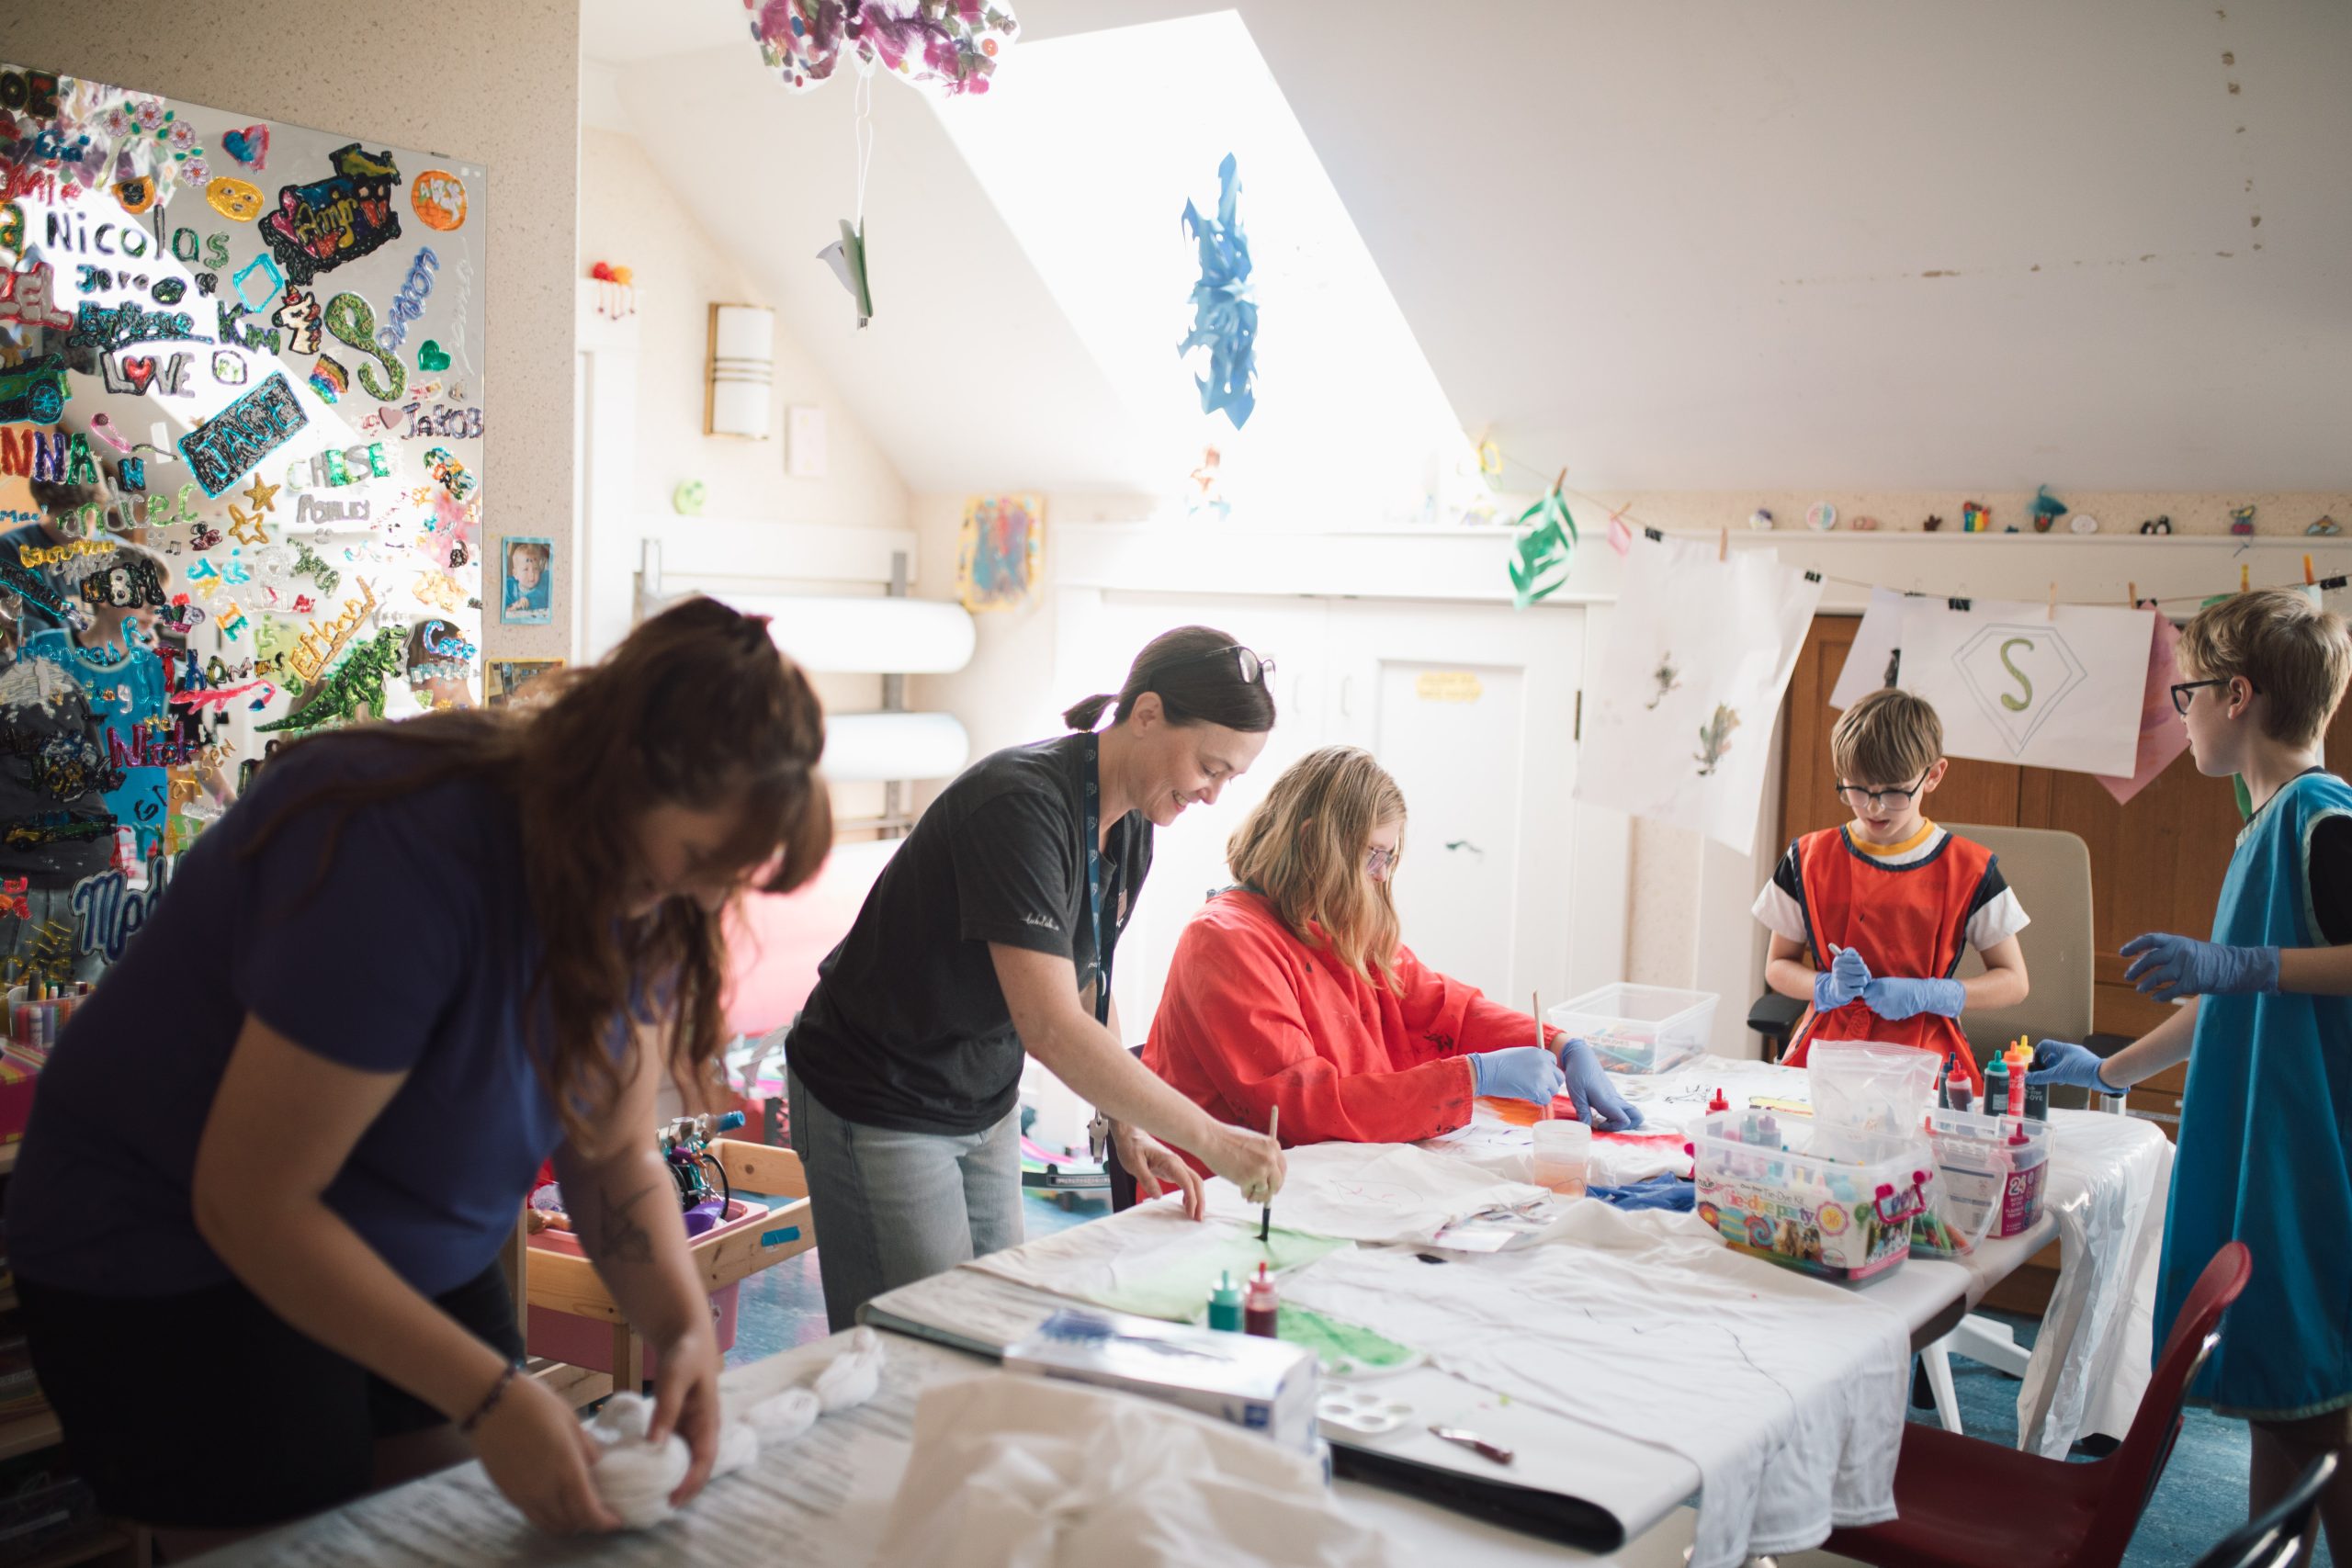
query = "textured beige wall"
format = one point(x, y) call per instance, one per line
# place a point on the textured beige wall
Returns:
point(495, 84)
point(630, 216)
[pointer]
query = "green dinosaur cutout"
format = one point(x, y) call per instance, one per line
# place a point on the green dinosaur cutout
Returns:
point(356, 682)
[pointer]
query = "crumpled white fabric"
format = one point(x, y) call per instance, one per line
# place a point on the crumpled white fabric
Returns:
point(1786, 1392)
point(1022, 1472)
point(1373, 1192)
point(634, 1477)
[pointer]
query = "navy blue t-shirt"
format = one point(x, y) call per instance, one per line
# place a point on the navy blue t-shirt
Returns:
point(414, 954)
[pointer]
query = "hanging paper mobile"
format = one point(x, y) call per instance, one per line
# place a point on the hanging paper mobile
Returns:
point(1225, 313)
point(1539, 556)
point(953, 45)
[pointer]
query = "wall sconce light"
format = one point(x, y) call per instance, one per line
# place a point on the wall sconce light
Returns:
point(743, 366)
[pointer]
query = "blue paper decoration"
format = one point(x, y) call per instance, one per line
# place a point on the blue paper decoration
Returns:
point(1225, 316)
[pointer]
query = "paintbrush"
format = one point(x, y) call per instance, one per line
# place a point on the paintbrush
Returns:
point(1266, 1213)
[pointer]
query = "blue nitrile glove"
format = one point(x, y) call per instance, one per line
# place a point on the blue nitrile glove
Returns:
point(1842, 983)
point(2170, 968)
point(1516, 1072)
point(1598, 1100)
point(1897, 999)
point(1673, 1192)
point(2062, 1061)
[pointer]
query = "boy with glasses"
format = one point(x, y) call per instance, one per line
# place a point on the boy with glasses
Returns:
point(1869, 919)
point(2266, 1122)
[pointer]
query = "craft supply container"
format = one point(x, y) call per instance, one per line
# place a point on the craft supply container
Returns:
point(1638, 1029)
point(1984, 1174)
point(1827, 1201)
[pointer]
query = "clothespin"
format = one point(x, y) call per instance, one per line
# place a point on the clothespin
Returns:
point(2308, 579)
point(2131, 596)
point(2053, 601)
point(2245, 577)
point(1722, 545)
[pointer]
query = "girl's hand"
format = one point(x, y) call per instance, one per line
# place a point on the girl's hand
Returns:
point(686, 1398)
point(540, 1455)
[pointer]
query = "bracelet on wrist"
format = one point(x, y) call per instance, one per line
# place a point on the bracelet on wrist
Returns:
point(489, 1401)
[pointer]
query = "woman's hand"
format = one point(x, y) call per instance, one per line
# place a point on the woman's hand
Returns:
point(1252, 1161)
point(686, 1398)
point(536, 1449)
point(1157, 1167)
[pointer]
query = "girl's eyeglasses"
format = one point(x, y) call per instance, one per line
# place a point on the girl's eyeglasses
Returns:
point(1379, 863)
point(1859, 798)
point(2184, 692)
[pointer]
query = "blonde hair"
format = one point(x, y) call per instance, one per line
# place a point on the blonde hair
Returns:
point(1890, 737)
point(2292, 651)
point(1304, 846)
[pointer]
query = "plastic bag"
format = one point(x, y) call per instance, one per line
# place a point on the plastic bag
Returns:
point(1867, 1086)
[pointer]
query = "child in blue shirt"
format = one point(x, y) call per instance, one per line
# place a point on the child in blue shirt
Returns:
point(2265, 1125)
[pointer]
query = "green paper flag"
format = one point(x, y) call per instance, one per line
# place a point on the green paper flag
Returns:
point(846, 257)
point(1539, 555)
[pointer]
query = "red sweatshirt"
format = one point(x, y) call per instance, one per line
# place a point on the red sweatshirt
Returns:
point(1253, 1018)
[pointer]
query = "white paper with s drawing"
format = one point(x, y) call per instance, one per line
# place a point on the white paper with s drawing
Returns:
point(1699, 651)
point(2014, 684)
point(1787, 1394)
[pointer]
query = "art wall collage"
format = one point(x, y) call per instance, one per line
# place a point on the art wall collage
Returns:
point(243, 428)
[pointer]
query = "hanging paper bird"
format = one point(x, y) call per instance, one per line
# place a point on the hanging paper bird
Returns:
point(1225, 313)
point(1539, 556)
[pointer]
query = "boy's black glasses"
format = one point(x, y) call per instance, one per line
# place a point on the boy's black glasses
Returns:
point(2184, 692)
point(1857, 797)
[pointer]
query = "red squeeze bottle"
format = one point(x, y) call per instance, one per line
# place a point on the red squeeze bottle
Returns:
point(1260, 1308)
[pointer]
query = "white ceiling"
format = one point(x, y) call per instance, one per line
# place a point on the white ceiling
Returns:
point(1705, 245)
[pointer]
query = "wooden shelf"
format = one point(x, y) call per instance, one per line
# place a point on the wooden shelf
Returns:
point(28, 1433)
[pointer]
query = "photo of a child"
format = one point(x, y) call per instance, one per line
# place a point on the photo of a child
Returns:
point(530, 566)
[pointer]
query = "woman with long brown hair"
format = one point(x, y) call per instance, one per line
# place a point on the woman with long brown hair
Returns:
point(1295, 989)
point(256, 1240)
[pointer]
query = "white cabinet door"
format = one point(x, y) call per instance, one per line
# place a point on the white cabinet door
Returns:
point(1472, 709)
point(1098, 635)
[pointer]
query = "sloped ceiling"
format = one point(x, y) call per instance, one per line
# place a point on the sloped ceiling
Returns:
point(1701, 245)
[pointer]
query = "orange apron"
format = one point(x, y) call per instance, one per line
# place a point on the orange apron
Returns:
point(1907, 921)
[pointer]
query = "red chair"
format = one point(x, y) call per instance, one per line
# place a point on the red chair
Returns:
point(1965, 1503)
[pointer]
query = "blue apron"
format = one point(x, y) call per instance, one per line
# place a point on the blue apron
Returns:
point(2266, 1142)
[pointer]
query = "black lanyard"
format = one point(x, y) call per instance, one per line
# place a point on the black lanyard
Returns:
point(1091, 829)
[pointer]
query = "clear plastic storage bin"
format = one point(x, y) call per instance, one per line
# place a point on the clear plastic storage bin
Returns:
point(1639, 1029)
point(1826, 1201)
point(1993, 1184)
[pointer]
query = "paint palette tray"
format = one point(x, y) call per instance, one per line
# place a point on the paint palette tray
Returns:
point(1352, 1414)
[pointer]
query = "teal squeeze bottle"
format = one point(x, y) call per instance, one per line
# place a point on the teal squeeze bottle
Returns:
point(1225, 1304)
point(1996, 1088)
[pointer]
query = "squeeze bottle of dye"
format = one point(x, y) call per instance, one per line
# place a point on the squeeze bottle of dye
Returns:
point(1225, 1304)
point(1258, 1312)
point(1996, 1088)
point(2037, 1102)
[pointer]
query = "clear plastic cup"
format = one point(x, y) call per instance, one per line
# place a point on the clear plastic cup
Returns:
point(1563, 1156)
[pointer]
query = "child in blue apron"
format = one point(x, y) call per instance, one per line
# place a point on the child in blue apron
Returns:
point(2265, 1125)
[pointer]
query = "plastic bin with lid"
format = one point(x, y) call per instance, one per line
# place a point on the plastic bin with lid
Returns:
point(1639, 1029)
point(1993, 1168)
point(1826, 1200)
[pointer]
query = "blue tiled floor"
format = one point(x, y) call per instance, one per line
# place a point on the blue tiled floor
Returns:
point(2201, 1498)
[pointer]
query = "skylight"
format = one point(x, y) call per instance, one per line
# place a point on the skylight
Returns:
point(1090, 146)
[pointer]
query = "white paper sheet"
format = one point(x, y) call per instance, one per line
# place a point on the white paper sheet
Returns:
point(1786, 1392)
point(1376, 1193)
point(1677, 727)
point(1876, 641)
point(2014, 684)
